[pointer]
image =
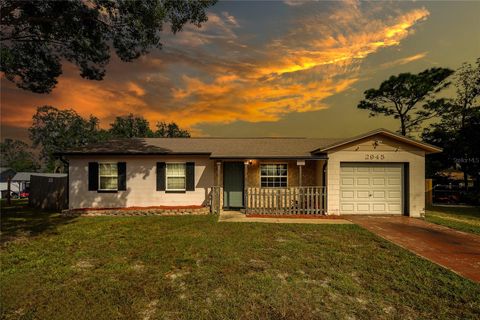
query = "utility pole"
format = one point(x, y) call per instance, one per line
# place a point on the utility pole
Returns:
point(9, 196)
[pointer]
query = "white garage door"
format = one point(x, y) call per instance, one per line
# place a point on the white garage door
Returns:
point(371, 188)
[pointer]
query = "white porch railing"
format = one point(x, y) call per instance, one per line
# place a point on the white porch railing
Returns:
point(294, 200)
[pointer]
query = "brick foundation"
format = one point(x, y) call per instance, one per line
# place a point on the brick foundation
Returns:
point(138, 211)
point(293, 216)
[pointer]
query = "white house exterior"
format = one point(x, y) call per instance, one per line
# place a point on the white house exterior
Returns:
point(141, 183)
point(379, 172)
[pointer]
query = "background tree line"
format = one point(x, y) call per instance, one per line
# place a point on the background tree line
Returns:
point(452, 122)
point(54, 130)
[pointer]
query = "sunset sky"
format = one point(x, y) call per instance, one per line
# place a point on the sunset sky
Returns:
point(291, 68)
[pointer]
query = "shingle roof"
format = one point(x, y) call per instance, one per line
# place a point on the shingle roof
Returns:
point(240, 148)
point(215, 147)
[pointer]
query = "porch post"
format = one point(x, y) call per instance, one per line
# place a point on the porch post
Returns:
point(245, 185)
point(300, 164)
point(299, 176)
point(217, 194)
point(219, 170)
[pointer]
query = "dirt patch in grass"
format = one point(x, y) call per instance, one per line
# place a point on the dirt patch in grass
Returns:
point(149, 311)
point(176, 274)
point(138, 266)
point(83, 265)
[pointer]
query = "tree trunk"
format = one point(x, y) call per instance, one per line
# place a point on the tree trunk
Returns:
point(465, 179)
point(403, 127)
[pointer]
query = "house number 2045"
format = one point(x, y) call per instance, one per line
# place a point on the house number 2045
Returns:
point(370, 156)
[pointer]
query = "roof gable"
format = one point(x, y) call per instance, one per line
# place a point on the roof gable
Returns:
point(428, 148)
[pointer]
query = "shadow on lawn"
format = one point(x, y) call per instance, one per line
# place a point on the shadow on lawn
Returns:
point(19, 221)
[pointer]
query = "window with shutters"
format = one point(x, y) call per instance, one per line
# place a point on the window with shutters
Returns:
point(107, 176)
point(175, 175)
point(274, 175)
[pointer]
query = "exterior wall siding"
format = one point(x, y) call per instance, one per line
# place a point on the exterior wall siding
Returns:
point(388, 151)
point(141, 183)
point(309, 173)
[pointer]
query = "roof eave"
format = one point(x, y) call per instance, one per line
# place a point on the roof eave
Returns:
point(422, 145)
point(270, 157)
point(91, 153)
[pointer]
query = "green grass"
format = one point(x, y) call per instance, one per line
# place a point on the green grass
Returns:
point(461, 218)
point(192, 267)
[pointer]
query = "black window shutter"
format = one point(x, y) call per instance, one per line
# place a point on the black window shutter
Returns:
point(190, 176)
point(122, 176)
point(160, 176)
point(92, 176)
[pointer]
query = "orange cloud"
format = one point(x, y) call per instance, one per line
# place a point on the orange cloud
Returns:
point(135, 88)
point(298, 76)
point(341, 47)
point(405, 60)
point(85, 96)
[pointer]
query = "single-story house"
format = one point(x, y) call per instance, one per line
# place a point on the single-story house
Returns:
point(22, 179)
point(379, 172)
point(5, 174)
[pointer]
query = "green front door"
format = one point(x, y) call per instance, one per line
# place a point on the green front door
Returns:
point(233, 179)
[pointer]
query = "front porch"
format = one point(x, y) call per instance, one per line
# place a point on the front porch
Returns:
point(270, 187)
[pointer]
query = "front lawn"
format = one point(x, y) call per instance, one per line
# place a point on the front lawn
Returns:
point(461, 218)
point(192, 267)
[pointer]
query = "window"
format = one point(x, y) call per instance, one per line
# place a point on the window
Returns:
point(176, 176)
point(273, 175)
point(108, 176)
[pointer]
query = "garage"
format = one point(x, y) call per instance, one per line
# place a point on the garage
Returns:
point(371, 188)
point(380, 172)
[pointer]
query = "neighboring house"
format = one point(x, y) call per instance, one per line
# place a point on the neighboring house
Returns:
point(454, 178)
point(379, 172)
point(5, 173)
point(21, 180)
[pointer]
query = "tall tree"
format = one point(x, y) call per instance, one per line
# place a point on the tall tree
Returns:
point(458, 129)
point(55, 130)
point(410, 98)
point(37, 36)
point(130, 127)
point(18, 155)
point(138, 127)
point(467, 83)
point(170, 130)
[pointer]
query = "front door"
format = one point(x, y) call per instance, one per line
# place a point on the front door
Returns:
point(233, 179)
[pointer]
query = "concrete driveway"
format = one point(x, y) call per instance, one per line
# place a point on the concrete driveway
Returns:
point(455, 250)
